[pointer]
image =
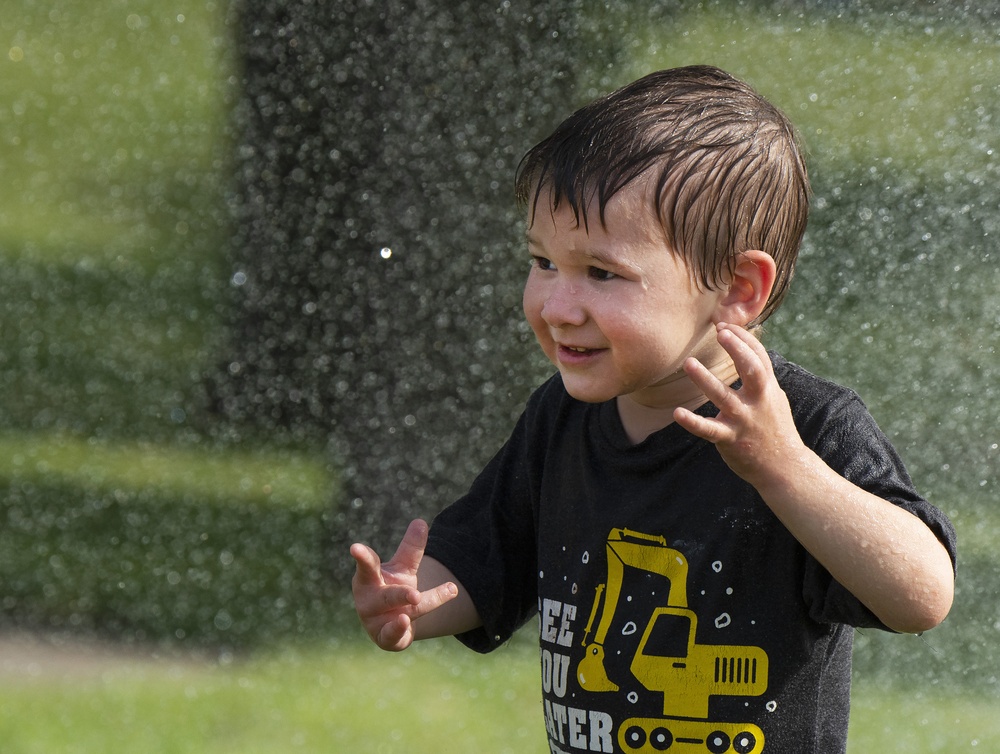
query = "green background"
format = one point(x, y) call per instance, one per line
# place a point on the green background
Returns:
point(129, 512)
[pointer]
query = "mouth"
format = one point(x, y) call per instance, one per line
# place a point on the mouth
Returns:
point(576, 354)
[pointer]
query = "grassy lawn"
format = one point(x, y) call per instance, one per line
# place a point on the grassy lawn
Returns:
point(921, 720)
point(225, 476)
point(350, 697)
point(157, 542)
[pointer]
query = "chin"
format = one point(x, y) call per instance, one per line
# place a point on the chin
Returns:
point(588, 393)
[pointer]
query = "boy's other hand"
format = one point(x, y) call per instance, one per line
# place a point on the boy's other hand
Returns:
point(883, 554)
point(386, 595)
point(754, 430)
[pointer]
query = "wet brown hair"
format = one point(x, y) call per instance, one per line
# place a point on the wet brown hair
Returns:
point(725, 163)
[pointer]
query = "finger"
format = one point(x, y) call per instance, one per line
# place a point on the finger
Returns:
point(396, 635)
point(368, 571)
point(701, 426)
point(713, 388)
point(432, 599)
point(371, 590)
point(391, 598)
point(411, 550)
point(748, 353)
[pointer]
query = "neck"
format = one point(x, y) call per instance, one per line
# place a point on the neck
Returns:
point(651, 410)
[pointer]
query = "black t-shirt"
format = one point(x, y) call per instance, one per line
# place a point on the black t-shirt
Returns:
point(675, 611)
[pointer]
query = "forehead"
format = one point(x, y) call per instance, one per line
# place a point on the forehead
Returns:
point(628, 219)
point(630, 212)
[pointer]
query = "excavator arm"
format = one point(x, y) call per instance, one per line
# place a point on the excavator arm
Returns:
point(636, 550)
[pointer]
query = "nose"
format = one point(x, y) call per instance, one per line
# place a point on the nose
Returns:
point(563, 306)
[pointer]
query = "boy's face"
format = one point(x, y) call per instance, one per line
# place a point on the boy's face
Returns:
point(614, 308)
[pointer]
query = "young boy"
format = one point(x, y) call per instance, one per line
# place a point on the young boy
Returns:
point(698, 523)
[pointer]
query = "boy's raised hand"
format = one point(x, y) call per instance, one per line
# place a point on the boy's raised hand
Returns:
point(386, 595)
point(754, 430)
point(850, 531)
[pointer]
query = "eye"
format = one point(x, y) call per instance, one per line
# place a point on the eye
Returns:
point(597, 273)
point(542, 263)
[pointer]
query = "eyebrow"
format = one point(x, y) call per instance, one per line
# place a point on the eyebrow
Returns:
point(604, 260)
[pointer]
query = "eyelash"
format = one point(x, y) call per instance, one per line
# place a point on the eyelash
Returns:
point(595, 273)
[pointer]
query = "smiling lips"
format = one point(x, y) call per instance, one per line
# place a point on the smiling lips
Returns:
point(576, 354)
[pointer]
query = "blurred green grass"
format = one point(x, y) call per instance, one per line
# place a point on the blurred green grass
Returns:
point(349, 696)
point(266, 477)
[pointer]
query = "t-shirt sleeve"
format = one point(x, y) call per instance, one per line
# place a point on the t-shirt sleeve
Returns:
point(486, 539)
point(846, 436)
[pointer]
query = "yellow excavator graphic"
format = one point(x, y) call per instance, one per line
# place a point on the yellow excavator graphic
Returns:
point(669, 661)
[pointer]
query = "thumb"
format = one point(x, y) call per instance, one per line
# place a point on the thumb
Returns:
point(411, 550)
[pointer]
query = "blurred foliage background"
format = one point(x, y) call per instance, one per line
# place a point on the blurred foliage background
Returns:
point(152, 495)
point(126, 511)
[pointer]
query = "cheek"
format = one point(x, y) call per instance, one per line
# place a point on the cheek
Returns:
point(637, 327)
point(526, 300)
point(531, 305)
point(532, 301)
point(640, 339)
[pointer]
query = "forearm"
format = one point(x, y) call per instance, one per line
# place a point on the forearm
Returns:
point(884, 555)
point(455, 616)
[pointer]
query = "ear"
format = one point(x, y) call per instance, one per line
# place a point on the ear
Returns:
point(749, 288)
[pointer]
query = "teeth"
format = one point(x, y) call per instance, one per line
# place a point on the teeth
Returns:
point(578, 350)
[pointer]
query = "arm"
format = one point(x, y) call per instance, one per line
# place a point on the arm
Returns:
point(409, 597)
point(887, 557)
